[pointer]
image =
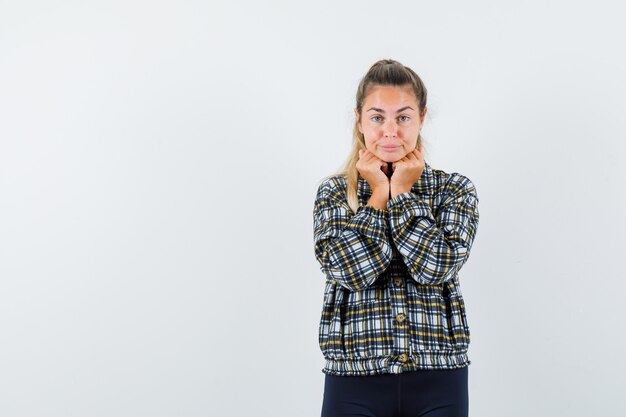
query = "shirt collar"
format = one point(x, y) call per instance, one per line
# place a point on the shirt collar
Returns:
point(424, 185)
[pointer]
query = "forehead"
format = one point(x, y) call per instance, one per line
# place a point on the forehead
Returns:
point(387, 95)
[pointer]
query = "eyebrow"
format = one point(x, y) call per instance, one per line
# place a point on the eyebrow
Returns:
point(382, 111)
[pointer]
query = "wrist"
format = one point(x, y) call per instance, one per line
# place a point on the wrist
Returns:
point(379, 200)
point(399, 190)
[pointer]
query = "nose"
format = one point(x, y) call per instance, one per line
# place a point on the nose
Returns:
point(390, 129)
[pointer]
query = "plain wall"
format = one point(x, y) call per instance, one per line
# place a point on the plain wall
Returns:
point(158, 168)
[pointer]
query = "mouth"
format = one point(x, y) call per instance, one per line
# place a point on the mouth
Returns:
point(389, 148)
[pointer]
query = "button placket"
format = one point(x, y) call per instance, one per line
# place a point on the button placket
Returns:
point(400, 317)
point(401, 344)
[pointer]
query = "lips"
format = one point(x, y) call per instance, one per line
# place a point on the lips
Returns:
point(389, 148)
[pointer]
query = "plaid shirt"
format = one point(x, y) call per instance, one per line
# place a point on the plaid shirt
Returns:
point(392, 300)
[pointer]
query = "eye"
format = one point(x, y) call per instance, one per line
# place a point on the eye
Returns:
point(407, 118)
point(375, 117)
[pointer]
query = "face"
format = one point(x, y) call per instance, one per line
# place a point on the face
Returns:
point(390, 122)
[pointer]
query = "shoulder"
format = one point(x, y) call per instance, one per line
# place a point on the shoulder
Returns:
point(331, 186)
point(453, 183)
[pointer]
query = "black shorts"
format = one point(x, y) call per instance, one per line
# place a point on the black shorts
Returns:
point(428, 393)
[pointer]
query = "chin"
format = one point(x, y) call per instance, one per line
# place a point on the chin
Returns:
point(390, 158)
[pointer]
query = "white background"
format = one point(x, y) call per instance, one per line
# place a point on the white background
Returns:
point(158, 164)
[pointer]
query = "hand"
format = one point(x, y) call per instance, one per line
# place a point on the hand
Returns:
point(407, 171)
point(373, 170)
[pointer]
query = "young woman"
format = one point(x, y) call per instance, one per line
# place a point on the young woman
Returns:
point(391, 234)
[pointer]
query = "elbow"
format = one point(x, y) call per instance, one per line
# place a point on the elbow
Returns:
point(350, 280)
point(434, 279)
point(438, 275)
point(355, 274)
point(353, 278)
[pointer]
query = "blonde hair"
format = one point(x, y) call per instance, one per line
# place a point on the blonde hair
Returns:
point(386, 72)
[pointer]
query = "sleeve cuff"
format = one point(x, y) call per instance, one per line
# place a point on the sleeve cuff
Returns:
point(409, 201)
point(380, 214)
point(371, 222)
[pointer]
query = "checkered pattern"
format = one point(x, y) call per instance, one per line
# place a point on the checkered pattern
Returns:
point(392, 300)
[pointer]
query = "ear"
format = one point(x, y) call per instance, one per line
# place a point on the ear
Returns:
point(356, 117)
point(424, 117)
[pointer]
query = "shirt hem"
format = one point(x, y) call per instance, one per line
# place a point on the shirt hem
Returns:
point(391, 365)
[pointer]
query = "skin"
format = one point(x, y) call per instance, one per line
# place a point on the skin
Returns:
point(382, 125)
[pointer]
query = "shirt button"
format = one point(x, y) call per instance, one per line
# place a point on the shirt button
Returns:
point(400, 317)
point(404, 357)
point(397, 282)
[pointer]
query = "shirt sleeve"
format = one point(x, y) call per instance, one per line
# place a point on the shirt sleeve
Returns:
point(352, 248)
point(434, 248)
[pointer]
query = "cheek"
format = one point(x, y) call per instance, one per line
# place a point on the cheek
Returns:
point(373, 128)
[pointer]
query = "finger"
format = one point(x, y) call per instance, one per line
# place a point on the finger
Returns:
point(364, 154)
point(373, 158)
point(383, 165)
point(372, 155)
point(368, 156)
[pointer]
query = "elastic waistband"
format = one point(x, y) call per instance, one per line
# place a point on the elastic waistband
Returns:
point(391, 364)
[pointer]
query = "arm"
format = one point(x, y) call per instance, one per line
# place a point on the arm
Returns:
point(352, 249)
point(435, 249)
